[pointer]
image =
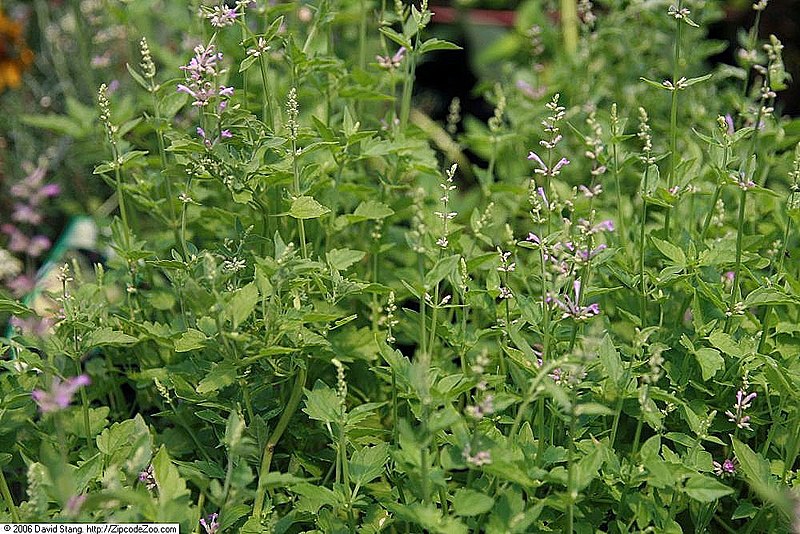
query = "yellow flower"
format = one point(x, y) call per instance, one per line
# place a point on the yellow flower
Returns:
point(15, 56)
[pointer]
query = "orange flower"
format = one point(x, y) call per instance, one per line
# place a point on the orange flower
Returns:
point(15, 56)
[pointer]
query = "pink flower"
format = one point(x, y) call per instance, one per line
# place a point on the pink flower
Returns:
point(37, 245)
point(60, 394)
point(226, 134)
point(24, 213)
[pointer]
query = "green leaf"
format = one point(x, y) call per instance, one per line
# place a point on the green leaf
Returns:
point(467, 502)
point(242, 304)
point(437, 44)
point(322, 404)
point(220, 376)
point(655, 84)
point(396, 37)
point(14, 307)
point(372, 209)
point(305, 207)
point(670, 251)
point(368, 463)
point(170, 484)
point(108, 336)
point(190, 340)
point(710, 361)
point(725, 343)
point(138, 78)
point(706, 489)
point(231, 514)
point(767, 295)
point(691, 81)
point(442, 268)
point(611, 360)
point(341, 259)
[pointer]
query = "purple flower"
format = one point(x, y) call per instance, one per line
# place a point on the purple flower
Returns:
point(25, 213)
point(60, 394)
point(557, 167)
point(533, 156)
point(201, 132)
point(148, 478)
point(210, 523)
point(201, 73)
point(37, 245)
point(222, 16)
point(729, 123)
point(74, 504)
point(727, 467)
point(226, 134)
point(393, 62)
point(572, 308)
point(743, 403)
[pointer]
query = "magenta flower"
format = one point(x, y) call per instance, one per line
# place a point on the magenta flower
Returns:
point(226, 134)
point(60, 394)
point(210, 523)
point(392, 62)
point(572, 308)
point(743, 403)
point(727, 467)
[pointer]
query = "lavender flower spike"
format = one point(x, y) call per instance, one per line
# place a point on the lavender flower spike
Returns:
point(61, 393)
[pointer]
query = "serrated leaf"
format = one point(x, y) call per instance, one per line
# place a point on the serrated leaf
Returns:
point(441, 269)
point(675, 254)
point(108, 336)
point(710, 361)
point(374, 210)
point(467, 502)
point(305, 207)
point(342, 259)
point(767, 295)
point(170, 484)
point(242, 304)
point(220, 376)
point(322, 404)
point(368, 463)
point(190, 340)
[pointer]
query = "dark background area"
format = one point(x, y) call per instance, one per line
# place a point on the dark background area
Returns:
point(449, 75)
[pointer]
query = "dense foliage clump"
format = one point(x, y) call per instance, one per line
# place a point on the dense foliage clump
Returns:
point(312, 308)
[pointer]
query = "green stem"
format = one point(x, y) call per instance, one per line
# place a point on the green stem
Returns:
point(291, 407)
point(642, 248)
point(296, 185)
point(267, 116)
point(570, 475)
point(12, 508)
point(569, 25)
point(673, 114)
point(735, 289)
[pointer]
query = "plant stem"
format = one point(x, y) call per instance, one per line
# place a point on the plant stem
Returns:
point(673, 115)
point(569, 26)
point(12, 508)
point(570, 475)
point(291, 407)
point(735, 289)
point(642, 248)
point(267, 116)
